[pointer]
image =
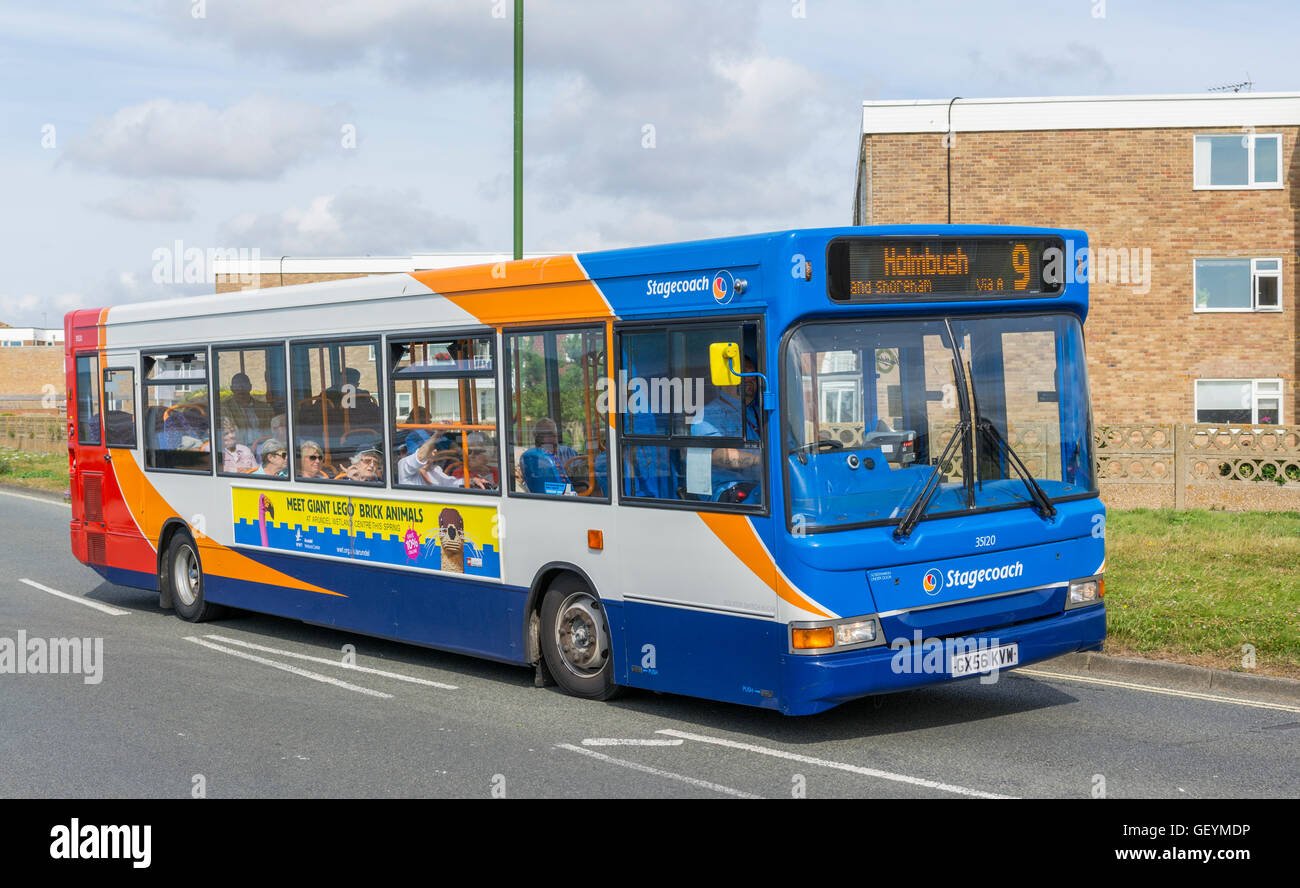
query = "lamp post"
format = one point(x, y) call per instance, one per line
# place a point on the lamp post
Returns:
point(519, 129)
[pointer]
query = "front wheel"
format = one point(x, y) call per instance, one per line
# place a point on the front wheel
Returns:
point(183, 574)
point(575, 640)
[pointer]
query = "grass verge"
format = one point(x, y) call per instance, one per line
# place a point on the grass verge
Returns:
point(34, 471)
point(1199, 587)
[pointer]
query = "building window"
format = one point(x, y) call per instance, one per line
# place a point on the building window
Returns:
point(1245, 160)
point(1237, 284)
point(1239, 401)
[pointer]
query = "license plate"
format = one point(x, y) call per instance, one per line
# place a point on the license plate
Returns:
point(985, 660)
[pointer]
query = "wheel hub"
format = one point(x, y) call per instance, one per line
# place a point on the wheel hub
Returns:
point(581, 635)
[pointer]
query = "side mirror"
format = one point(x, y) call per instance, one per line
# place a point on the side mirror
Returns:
point(723, 356)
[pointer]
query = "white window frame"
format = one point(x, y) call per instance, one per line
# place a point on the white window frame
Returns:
point(1255, 275)
point(1254, 398)
point(1251, 184)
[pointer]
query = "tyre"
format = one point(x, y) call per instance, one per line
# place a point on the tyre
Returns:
point(183, 573)
point(575, 640)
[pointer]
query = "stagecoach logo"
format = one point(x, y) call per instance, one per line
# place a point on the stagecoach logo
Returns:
point(721, 283)
point(935, 580)
point(724, 287)
point(932, 581)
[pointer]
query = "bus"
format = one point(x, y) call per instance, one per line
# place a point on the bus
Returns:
point(785, 470)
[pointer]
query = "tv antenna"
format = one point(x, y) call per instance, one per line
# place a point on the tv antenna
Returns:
point(1245, 85)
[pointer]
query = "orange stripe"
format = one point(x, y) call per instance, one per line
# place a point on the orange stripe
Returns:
point(738, 535)
point(550, 289)
point(219, 560)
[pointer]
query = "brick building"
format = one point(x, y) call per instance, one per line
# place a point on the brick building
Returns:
point(31, 369)
point(1191, 204)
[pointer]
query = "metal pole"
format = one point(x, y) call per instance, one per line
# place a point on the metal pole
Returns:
point(519, 129)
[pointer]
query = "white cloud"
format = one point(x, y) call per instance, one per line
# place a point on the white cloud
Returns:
point(148, 202)
point(256, 138)
point(353, 222)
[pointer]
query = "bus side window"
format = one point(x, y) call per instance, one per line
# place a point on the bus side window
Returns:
point(685, 439)
point(559, 425)
point(177, 426)
point(88, 399)
point(119, 407)
point(444, 424)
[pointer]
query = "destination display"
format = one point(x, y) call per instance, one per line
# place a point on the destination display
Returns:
point(910, 270)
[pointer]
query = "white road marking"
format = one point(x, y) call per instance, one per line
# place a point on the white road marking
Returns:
point(623, 741)
point(97, 605)
point(36, 499)
point(646, 769)
point(315, 676)
point(1154, 689)
point(328, 662)
point(839, 766)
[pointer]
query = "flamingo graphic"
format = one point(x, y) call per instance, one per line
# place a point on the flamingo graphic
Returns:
point(264, 509)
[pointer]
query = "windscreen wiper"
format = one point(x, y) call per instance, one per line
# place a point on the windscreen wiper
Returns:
point(960, 433)
point(1042, 502)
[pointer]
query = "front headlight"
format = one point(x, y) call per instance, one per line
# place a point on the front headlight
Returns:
point(1084, 592)
point(858, 632)
point(835, 635)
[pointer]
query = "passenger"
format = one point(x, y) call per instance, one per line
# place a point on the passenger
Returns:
point(365, 467)
point(235, 457)
point(544, 464)
point(730, 416)
point(275, 459)
point(280, 427)
point(185, 427)
point(419, 468)
point(419, 415)
point(251, 417)
point(482, 474)
point(311, 461)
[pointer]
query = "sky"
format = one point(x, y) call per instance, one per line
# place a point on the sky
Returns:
point(132, 131)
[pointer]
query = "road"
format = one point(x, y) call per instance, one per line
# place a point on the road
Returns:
point(239, 708)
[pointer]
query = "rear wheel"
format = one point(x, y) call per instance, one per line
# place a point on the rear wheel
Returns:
point(575, 640)
point(183, 573)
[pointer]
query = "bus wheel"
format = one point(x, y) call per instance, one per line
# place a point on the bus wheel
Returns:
point(575, 640)
point(184, 576)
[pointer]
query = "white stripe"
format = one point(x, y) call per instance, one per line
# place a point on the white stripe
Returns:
point(646, 769)
point(315, 676)
point(816, 605)
point(97, 605)
point(622, 741)
point(596, 286)
point(1169, 692)
point(36, 499)
point(839, 766)
point(328, 662)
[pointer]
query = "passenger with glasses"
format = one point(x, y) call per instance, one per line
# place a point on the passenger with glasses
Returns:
point(311, 461)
